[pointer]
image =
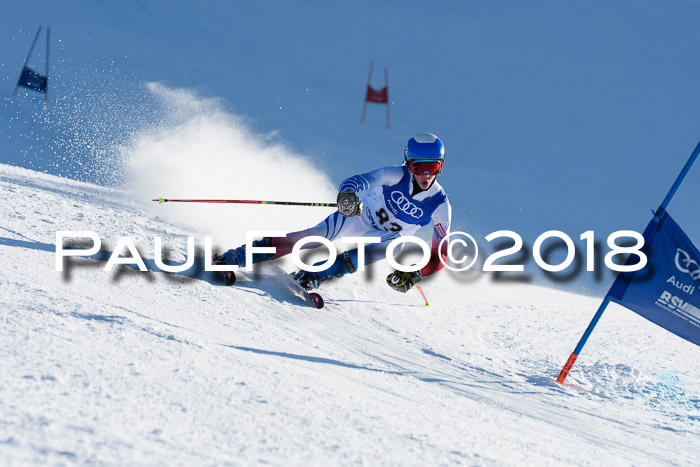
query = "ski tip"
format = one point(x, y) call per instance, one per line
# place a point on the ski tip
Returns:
point(229, 278)
point(316, 300)
point(160, 200)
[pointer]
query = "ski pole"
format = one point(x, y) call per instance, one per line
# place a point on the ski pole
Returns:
point(420, 289)
point(245, 201)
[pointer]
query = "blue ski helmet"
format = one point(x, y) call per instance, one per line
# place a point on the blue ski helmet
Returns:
point(424, 147)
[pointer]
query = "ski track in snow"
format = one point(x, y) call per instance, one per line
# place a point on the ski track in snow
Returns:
point(129, 367)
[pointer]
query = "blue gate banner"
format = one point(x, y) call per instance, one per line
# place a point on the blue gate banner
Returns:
point(665, 291)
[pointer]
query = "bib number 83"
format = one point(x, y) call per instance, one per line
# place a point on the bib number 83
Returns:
point(383, 217)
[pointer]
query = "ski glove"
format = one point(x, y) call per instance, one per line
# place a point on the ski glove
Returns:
point(349, 204)
point(403, 281)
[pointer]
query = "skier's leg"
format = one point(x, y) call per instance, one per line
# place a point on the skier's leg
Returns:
point(375, 251)
point(330, 228)
point(237, 255)
point(347, 262)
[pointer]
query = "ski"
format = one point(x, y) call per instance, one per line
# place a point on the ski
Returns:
point(312, 298)
point(279, 275)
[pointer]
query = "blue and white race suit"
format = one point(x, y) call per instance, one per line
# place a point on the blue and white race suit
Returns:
point(389, 211)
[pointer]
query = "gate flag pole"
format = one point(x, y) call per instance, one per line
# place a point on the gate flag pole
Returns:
point(386, 86)
point(377, 96)
point(48, 35)
point(369, 85)
point(29, 55)
point(672, 192)
point(648, 235)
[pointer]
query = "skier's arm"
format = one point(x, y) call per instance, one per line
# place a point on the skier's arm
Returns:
point(384, 176)
point(349, 203)
point(442, 218)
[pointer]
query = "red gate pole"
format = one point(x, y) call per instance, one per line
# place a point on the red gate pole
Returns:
point(369, 80)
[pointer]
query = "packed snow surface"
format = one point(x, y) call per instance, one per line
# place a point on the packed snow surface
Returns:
point(130, 367)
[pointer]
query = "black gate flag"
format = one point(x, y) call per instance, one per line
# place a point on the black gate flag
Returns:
point(32, 79)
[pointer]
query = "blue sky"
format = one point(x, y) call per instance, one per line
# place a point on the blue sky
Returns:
point(556, 115)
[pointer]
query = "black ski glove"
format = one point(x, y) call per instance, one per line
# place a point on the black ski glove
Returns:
point(403, 281)
point(349, 204)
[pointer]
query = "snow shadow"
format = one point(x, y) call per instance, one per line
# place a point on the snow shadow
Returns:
point(196, 272)
point(30, 245)
point(308, 358)
point(104, 318)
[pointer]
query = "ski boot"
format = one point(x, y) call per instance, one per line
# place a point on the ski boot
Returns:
point(312, 280)
point(308, 280)
point(231, 257)
point(237, 256)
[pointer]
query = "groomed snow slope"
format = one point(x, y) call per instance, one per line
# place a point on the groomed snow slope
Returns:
point(150, 368)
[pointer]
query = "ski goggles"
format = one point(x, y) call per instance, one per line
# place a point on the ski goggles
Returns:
point(421, 167)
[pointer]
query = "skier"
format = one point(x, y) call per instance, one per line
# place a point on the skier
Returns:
point(396, 201)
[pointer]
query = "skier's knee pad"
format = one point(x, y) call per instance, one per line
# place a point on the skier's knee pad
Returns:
point(350, 260)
